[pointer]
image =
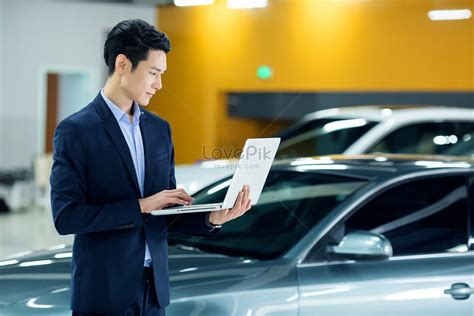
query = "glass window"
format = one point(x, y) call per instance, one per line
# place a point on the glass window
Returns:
point(463, 143)
point(289, 206)
point(463, 128)
point(424, 138)
point(322, 137)
point(471, 214)
point(421, 217)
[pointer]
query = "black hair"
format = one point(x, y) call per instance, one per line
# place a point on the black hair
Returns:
point(133, 38)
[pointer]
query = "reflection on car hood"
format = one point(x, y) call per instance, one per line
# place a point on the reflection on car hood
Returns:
point(36, 283)
point(189, 269)
point(39, 283)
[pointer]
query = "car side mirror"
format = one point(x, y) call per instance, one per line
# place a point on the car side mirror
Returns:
point(362, 245)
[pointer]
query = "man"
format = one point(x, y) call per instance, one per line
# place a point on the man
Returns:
point(113, 165)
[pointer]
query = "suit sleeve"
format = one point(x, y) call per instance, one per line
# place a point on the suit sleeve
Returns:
point(189, 224)
point(72, 213)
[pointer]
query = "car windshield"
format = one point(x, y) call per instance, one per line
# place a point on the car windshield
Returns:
point(322, 137)
point(291, 203)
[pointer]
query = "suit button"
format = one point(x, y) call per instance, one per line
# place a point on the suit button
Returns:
point(146, 220)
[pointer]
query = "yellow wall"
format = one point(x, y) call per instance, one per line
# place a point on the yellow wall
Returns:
point(311, 45)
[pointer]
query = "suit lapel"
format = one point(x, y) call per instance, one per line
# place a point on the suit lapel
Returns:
point(115, 133)
point(147, 147)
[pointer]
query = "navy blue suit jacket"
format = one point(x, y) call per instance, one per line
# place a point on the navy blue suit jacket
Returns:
point(94, 195)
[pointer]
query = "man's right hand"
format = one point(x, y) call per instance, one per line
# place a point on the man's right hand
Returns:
point(164, 199)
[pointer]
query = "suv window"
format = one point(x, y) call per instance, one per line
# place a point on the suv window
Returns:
point(464, 145)
point(421, 217)
point(423, 138)
point(322, 137)
point(464, 128)
point(471, 214)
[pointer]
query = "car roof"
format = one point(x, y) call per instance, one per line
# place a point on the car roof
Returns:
point(380, 113)
point(375, 166)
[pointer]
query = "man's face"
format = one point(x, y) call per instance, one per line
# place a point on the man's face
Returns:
point(142, 83)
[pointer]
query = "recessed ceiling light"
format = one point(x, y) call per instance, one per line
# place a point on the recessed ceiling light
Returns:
point(187, 3)
point(246, 4)
point(443, 15)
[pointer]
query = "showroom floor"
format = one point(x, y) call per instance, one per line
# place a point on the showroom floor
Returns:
point(26, 230)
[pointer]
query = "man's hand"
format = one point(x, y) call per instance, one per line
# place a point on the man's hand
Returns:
point(164, 199)
point(241, 206)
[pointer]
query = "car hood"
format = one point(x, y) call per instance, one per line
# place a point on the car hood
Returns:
point(39, 283)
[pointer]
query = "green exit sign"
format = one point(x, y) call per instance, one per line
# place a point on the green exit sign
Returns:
point(264, 72)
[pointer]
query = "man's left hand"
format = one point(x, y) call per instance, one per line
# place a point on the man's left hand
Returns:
point(241, 206)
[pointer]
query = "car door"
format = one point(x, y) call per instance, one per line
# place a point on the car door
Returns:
point(426, 222)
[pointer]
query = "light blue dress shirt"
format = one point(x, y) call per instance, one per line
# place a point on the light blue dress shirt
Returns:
point(133, 136)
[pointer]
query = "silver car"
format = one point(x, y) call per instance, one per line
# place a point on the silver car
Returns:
point(430, 130)
point(373, 235)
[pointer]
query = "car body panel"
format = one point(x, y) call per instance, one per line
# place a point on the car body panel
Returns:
point(398, 286)
point(206, 283)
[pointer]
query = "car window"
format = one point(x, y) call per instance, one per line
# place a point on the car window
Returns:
point(464, 147)
point(289, 206)
point(464, 141)
point(464, 128)
point(322, 137)
point(471, 207)
point(424, 138)
point(420, 217)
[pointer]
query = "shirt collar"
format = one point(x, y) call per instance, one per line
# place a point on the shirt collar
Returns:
point(118, 113)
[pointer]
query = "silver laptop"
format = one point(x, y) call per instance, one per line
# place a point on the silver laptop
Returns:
point(252, 169)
